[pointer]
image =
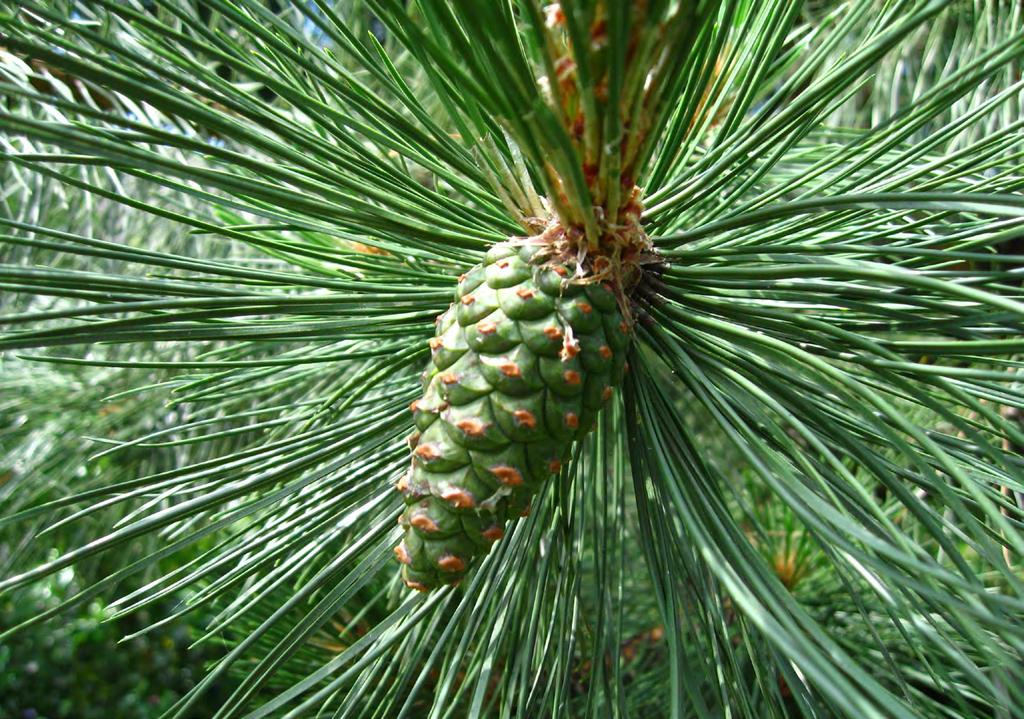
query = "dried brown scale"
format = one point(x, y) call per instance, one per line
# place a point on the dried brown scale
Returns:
point(522, 363)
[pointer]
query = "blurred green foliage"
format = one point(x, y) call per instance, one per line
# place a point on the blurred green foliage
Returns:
point(76, 669)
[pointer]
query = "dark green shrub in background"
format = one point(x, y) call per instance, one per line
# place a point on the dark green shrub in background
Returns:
point(75, 668)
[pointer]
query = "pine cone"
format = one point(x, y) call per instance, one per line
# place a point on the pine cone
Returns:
point(522, 363)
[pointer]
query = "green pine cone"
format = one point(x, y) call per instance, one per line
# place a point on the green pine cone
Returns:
point(522, 363)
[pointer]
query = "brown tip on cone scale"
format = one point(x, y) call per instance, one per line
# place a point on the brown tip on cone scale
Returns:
point(572, 421)
point(451, 563)
point(510, 369)
point(585, 307)
point(418, 586)
point(502, 264)
point(525, 293)
point(458, 498)
point(449, 378)
point(486, 327)
point(414, 405)
point(507, 475)
point(553, 333)
point(606, 393)
point(555, 466)
point(623, 327)
point(435, 343)
point(402, 554)
point(526, 511)
point(402, 485)
point(570, 348)
point(605, 351)
point(427, 451)
point(472, 426)
point(468, 300)
point(462, 277)
point(560, 271)
point(525, 418)
point(424, 523)
point(493, 533)
point(572, 377)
